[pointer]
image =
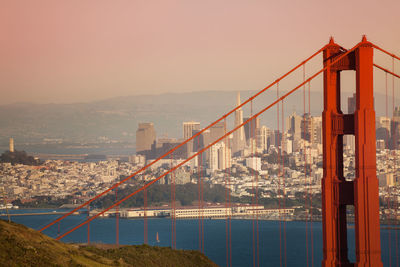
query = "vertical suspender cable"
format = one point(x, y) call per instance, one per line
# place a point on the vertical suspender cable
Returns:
point(256, 195)
point(226, 196)
point(229, 203)
point(395, 164)
point(172, 204)
point(252, 184)
point(278, 141)
point(198, 190)
point(387, 159)
point(305, 160)
point(309, 184)
point(284, 183)
point(145, 214)
point(116, 219)
point(88, 226)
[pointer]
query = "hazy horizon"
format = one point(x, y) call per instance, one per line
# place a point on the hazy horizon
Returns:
point(84, 51)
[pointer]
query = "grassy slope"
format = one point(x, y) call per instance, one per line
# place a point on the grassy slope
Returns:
point(22, 246)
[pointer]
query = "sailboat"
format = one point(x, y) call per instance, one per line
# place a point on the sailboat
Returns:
point(157, 240)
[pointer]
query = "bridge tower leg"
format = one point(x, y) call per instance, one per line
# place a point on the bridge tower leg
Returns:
point(362, 192)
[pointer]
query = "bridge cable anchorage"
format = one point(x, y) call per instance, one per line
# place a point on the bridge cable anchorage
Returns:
point(196, 154)
point(181, 144)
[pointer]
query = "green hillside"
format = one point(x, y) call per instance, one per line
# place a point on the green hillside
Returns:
point(22, 246)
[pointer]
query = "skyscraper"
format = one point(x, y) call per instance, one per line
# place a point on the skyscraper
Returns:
point(218, 157)
point(251, 128)
point(217, 131)
point(145, 137)
point(293, 125)
point(264, 138)
point(189, 127)
point(238, 135)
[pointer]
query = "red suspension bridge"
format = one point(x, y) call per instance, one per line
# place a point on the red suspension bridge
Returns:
point(338, 193)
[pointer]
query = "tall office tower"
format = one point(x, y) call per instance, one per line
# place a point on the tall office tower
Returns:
point(316, 130)
point(218, 157)
point(217, 131)
point(293, 126)
point(11, 144)
point(238, 135)
point(199, 143)
point(163, 145)
point(188, 130)
point(145, 137)
point(189, 127)
point(264, 138)
point(251, 128)
point(306, 127)
point(382, 126)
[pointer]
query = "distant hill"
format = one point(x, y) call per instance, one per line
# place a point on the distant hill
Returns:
point(117, 118)
point(22, 246)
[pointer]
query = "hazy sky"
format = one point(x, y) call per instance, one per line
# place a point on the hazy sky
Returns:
point(82, 50)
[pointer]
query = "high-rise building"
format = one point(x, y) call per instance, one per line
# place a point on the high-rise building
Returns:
point(217, 131)
point(293, 125)
point(145, 137)
point(11, 145)
point(264, 138)
point(219, 157)
point(306, 127)
point(163, 145)
point(251, 128)
point(238, 136)
point(316, 129)
point(189, 127)
point(382, 126)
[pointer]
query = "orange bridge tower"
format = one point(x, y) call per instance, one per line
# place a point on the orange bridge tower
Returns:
point(362, 192)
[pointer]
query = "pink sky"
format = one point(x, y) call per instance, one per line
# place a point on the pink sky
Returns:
point(85, 50)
